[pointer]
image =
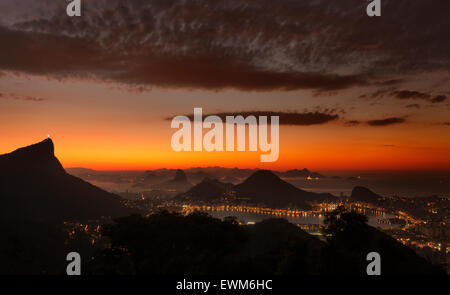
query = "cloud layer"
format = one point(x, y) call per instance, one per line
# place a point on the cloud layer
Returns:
point(212, 44)
point(285, 118)
point(386, 121)
point(22, 97)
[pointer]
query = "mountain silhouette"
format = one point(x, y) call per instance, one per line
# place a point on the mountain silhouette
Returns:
point(180, 177)
point(35, 186)
point(362, 194)
point(198, 176)
point(299, 173)
point(207, 190)
point(27, 160)
point(152, 178)
point(265, 187)
point(230, 179)
point(178, 183)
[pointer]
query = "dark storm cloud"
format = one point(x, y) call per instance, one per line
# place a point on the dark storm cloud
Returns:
point(247, 45)
point(438, 98)
point(386, 122)
point(376, 94)
point(414, 105)
point(286, 118)
point(63, 56)
point(406, 94)
point(302, 119)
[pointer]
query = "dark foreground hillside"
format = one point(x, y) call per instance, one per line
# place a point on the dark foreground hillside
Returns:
point(168, 243)
point(35, 186)
point(198, 244)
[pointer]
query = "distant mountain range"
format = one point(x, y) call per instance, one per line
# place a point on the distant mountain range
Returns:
point(263, 187)
point(365, 195)
point(207, 191)
point(304, 173)
point(35, 186)
point(194, 175)
point(178, 183)
point(36, 194)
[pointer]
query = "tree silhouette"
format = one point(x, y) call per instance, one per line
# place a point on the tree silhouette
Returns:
point(350, 239)
point(166, 243)
point(341, 221)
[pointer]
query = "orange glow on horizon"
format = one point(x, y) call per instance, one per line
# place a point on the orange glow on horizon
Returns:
point(133, 152)
point(97, 128)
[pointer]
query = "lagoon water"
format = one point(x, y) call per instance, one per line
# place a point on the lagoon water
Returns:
point(317, 219)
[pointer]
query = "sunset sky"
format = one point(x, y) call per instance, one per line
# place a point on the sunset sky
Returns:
point(366, 93)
